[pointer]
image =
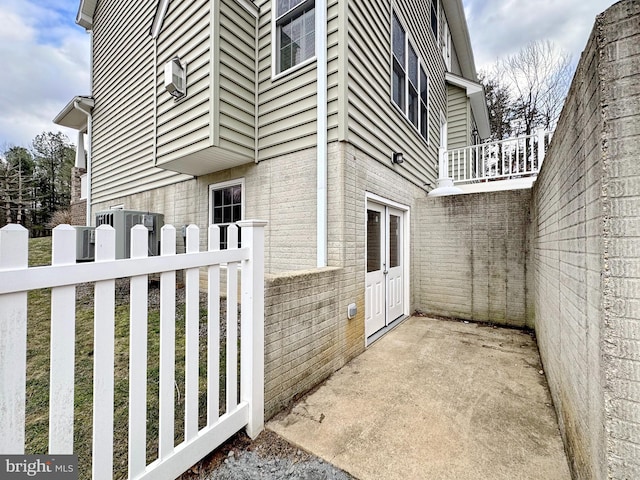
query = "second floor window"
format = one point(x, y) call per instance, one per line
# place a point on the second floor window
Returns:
point(409, 83)
point(434, 17)
point(295, 32)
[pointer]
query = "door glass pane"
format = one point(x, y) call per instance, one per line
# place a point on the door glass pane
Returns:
point(394, 241)
point(373, 240)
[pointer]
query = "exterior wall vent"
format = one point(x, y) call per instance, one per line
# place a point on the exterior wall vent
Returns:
point(175, 78)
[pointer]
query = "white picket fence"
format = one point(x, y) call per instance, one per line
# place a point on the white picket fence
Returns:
point(16, 279)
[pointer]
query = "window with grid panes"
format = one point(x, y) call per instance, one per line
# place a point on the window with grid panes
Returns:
point(410, 82)
point(226, 208)
point(295, 32)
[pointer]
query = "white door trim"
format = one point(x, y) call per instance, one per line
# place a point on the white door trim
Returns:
point(406, 210)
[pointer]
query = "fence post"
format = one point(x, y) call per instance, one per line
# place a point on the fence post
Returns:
point(103, 359)
point(541, 149)
point(63, 336)
point(252, 324)
point(14, 240)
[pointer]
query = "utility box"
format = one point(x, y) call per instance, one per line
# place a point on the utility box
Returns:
point(85, 243)
point(124, 220)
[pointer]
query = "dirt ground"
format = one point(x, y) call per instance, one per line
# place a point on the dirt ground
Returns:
point(269, 456)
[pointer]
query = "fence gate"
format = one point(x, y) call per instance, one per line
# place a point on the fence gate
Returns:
point(243, 406)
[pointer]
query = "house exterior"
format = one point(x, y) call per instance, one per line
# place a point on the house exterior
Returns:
point(323, 117)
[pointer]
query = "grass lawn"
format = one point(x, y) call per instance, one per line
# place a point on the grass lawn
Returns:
point(38, 343)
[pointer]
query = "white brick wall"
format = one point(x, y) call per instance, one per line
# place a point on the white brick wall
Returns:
point(585, 257)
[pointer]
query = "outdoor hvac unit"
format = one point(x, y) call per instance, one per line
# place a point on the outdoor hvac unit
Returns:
point(124, 220)
point(85, 243)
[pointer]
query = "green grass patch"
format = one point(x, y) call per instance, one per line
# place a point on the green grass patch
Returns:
point(38, 347)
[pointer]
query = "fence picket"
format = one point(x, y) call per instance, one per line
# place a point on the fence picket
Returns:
point(63, 309)
point(213, 331)
point(13, 343)
point(192, 326)
point(103, 355)
point(167, 347)
point(138, 357)
point(232, 323)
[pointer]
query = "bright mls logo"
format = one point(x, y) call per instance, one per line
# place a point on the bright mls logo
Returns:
point(51, 467)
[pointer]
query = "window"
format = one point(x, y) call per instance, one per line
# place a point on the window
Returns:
point(446, 45)
point(295, 27)
point(226, 206)
point(409, 83)
point(413, 87)
point(424, 104)
point(434, 17)
point(398, 63)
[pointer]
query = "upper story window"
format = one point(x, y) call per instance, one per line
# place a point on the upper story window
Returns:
point(295, 27)
point(226, 207)
point(434, 17)
point(410, 82)
point(446, 44)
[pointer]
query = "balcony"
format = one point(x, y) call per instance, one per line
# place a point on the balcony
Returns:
point(507, 164)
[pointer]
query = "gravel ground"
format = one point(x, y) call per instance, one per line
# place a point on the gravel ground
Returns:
point(268, 457)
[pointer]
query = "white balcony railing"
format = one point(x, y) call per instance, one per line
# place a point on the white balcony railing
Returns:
point(510, 159)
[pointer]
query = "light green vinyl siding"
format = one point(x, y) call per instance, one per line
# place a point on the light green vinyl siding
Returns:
point(236, 79)
point(123, 89)
point(287, 110)
point(219, 110)
point(374, 123)
point(457, 117)
point(184, 126)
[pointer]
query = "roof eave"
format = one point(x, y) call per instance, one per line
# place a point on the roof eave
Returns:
point(460, 36)
point(84, 18)
point(477, 99)
point(73, 117)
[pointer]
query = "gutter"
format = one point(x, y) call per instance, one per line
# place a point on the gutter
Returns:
point(321, 149)
point(77, 105)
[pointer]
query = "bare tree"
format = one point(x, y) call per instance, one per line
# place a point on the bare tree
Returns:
point(538, 78)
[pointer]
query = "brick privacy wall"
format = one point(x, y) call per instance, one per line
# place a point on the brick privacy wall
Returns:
point(473, 257)
point(586, 254)
point(307, 333)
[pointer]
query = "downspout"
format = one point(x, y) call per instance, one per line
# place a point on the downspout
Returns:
point(321, 149)
point(77, 105)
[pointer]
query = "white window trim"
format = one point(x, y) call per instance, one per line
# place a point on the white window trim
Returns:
point(421, 65)
point(275, 75)
point(228, 183)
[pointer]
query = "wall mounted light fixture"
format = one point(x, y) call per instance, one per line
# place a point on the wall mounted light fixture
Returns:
point(397, 157)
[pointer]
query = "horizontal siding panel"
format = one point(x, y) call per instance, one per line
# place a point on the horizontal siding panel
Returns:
point(236, 75)
point(156, 178)
point(183, 28)
point(191, 143)
point(237, 19)
point(169, 109)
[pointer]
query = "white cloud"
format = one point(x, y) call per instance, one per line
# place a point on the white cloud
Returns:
point(45, 63)
point(502, 27)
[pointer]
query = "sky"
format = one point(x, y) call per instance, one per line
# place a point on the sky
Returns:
point(46, 55)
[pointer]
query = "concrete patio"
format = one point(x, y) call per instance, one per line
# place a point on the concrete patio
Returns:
point(435, 399)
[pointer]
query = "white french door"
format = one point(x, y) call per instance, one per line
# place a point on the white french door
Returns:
point(385, 264)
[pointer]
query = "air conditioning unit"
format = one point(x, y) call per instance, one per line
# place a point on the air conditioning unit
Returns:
point(85, 243)
point(124, 220)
